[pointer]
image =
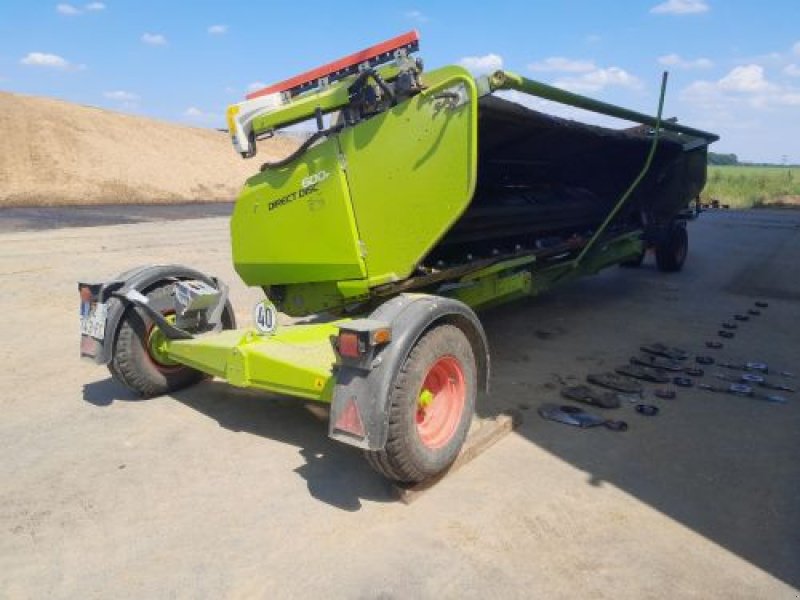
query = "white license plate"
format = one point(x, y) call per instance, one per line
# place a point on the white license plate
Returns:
point(93, 320)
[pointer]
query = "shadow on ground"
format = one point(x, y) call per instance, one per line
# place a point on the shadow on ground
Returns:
point(335, 474)
point(721, 465)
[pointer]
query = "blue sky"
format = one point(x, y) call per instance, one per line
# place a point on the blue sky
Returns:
point(734, 64)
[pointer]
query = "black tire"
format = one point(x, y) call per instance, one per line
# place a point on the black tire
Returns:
point(406, 458)
point(671, 251)
point(133, 366)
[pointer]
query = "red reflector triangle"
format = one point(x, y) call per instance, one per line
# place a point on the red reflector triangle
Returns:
point(350, 419)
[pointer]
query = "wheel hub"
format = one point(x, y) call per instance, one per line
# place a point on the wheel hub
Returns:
point(441, 401)
point(157, 346)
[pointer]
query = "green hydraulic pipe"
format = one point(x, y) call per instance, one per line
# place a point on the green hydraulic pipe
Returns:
point(634, 184)
point(506, 80)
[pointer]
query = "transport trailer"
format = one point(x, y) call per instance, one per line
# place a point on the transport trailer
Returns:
point(421, 197)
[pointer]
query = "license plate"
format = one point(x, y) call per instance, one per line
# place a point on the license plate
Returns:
point(93, 319)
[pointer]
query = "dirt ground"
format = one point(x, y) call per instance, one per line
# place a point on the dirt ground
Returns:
point(219, 492)
point(57, 153)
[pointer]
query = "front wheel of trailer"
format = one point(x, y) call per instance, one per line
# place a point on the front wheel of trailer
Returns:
point(138, 358)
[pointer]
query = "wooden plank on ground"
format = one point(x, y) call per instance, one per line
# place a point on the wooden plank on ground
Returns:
point(484, 433)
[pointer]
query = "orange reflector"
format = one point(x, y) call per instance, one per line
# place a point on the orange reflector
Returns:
point(348, 344)
point(382, 336)
point(350, 419)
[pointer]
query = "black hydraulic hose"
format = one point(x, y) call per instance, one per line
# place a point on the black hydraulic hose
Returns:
point(362, 77)
point(302, 148)
point(366, 74)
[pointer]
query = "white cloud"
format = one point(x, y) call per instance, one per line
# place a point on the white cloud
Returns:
point(417, 15)
point(71, 10)
point(154, 39)
point(680, 7)
point(218, 30)
point(256, 85)
point(43, 59)
point(487, 63)
point(121, 96)
point(744, 85)
point(563, 65)
point(745, 79)
point(792, 70)
point(67, 9)
point(796, 48)
point(675, 60)
point(593, 81)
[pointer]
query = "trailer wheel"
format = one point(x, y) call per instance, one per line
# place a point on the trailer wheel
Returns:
point(671, 251)
point(430, 408)
point(137, 362)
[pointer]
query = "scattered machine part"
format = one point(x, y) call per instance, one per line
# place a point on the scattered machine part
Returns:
point(704, 360)
point(776, 399)
point(752, 378)
point(662, 350)
point(714, 345)
point(665, 394)
point(647, 410)
point(657, 362)
point(583, 393)
point(683, 381)
point(740, 389)
point(631, 398)
point(615, 382)
point(748, 366)
point(577, 417)
point(777, 386)
point(643, 373)
point(737, 389)
point(759, 380)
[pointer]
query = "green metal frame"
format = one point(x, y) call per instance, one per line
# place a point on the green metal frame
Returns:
point(359, 210)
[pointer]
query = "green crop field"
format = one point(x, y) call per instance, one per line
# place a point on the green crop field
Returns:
point(748, 186)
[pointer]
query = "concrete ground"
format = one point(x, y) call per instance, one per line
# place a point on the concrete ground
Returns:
point(219, 492)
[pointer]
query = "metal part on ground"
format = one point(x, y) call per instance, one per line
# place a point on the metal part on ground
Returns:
point(657, 362)
point(643, 373)
point(584, 393)
point(615, 382)
point(666, 351)
point(577, 417)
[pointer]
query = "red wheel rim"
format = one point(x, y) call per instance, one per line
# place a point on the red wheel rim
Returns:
point(440, 403)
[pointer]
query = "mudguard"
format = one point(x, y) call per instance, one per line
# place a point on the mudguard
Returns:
point(410, 316)
point(141, 279)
